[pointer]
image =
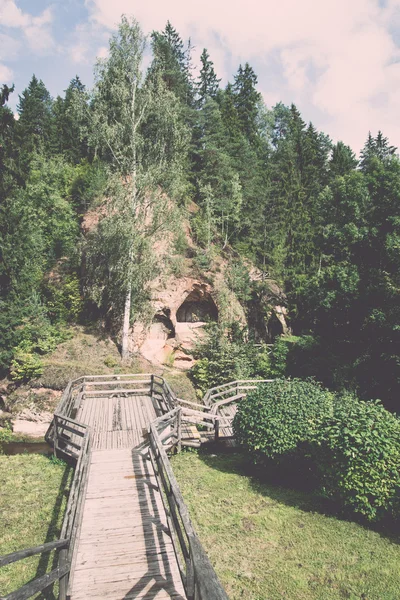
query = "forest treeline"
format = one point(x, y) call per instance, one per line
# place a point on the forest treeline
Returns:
point(267, 185)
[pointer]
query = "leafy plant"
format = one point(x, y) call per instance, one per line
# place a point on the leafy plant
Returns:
point(25, 365)
point(238, 280)
point(358, 457)
point(279, 417)
point(110, 362)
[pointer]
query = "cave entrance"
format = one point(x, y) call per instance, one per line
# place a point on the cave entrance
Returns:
point(198, 307)
point(275, 328)
point(162, 327)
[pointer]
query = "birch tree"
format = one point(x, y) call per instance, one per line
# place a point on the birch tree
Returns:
point(136, 127)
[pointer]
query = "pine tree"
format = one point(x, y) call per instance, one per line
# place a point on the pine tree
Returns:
point(375, 148)
point(71, 125)
point(247, 100)
point(35, 124)
point(8, 145)
point(208, 83)
point(343, 160)
point(170, 60)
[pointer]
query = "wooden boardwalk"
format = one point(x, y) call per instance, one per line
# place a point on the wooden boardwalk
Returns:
point(126, 531)
point(124, 547)
point(117, 422)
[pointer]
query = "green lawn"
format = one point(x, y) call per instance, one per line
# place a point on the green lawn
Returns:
point(268, 542)
point(32, 503)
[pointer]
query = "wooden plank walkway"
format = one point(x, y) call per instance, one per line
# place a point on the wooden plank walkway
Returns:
point(124, 548)
point(117, 422)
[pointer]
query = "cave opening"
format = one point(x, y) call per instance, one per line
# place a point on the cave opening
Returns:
point(275, 328)
point(197, 307)
point(162, 326)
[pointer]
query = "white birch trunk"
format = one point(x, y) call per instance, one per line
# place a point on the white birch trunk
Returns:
point(126, 323)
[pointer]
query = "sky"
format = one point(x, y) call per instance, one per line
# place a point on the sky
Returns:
point(337, 60)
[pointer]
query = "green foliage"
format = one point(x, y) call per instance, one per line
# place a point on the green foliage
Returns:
point(90, 184)
point(63, 299)
point(202, 261)
point(279, 417)
point(279, 356)
point(58, 462)
point(351, 447)
point(357, 453)
point(226, 355)
point(238, 280)
point(6, 435)
point(111, 362)
point(25, 365)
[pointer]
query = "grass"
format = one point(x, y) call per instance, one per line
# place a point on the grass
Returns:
point(269, 542)
point(32, 504)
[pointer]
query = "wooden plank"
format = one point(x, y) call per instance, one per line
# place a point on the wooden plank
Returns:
point(115, 392)
point(124, 543)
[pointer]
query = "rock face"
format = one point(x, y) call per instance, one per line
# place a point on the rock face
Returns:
point(182, 306)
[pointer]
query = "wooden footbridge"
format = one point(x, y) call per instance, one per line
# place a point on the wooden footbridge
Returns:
point(127, 532)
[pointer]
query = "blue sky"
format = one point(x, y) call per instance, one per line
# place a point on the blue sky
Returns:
point(338, 61)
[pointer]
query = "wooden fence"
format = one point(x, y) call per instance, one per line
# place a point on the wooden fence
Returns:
point(198, 576)
point(71, 440)
point(65, 545)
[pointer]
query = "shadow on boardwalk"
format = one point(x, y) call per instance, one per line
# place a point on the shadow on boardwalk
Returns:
point(160, 580)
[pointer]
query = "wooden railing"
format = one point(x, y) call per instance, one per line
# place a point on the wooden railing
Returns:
point(65, 545)
point(198, 576)
point(229, 391)
point(71, 439)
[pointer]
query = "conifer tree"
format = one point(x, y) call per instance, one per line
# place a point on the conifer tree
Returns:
point(170, 60)
point(247, 100)
point(207, 83)
point(70, 125)
point(35, 125)
point(343, 160)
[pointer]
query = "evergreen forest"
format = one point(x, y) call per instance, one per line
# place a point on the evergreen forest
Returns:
point(258, 184)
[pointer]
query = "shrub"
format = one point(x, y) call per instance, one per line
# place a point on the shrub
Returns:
point(25, 365)
point(278, 418)
point(358, 457)
point(64, 301)
point(111, 361)
point(224, 356)
point(238, 280)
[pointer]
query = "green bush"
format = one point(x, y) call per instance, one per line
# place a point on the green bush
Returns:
point(111, 362)
point(63, 299)
point(223, 356)
point(238, 280)
point(358, 457)
point(25, 365)
point(280, 417)
point(202, 261)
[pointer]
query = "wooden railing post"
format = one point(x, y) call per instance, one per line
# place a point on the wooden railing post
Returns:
point(62, 562)
point(55, 436)
point(179, 429)
point(151, 386)
point(216, 428)
point(190, 581)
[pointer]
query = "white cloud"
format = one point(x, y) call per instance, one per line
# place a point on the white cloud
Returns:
point(78, 53)
point(5, 74)
point(335, 59)
point(102, 52)
point(37, 30)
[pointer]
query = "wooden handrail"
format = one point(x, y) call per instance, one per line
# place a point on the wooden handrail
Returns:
point(21, 554)
point(39, 584)
point(198, 575)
